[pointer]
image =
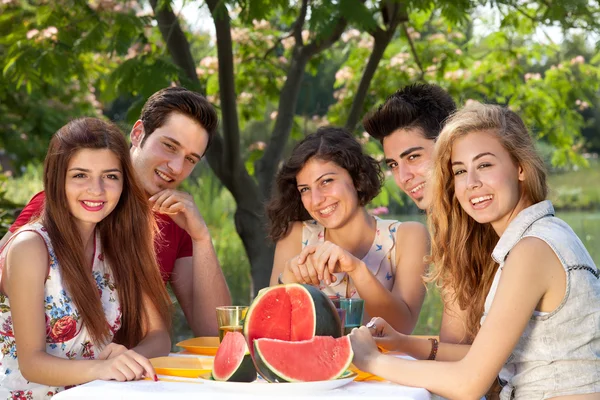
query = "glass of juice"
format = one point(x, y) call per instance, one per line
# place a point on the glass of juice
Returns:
point(354, 313)
point(230, 319)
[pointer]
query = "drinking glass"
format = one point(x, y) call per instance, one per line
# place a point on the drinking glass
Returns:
point(230, 319)
point(354, 313)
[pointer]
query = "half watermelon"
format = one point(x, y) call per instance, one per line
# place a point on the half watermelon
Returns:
point(291, 312)
point(233, 361)
point(318, 359)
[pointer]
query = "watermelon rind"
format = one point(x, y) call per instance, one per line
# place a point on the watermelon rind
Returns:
point(272, 375)
point(244, 371)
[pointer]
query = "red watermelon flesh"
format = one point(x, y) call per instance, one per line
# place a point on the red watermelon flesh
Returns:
point(233, 361)
point(318, 359)
point(282, 312)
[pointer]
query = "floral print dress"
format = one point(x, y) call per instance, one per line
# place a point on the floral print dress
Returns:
point(66, 337)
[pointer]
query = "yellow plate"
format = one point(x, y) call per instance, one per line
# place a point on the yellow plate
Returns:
point(189, 367)
point(201, 345)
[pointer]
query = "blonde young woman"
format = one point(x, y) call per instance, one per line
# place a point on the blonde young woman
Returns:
point(521, 273)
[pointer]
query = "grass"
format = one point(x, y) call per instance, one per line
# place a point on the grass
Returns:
point(576, 189)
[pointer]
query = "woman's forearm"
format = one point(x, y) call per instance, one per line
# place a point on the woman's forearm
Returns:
point(420, 348)
point(155, 344)
point(43, 368)
point(451, 380)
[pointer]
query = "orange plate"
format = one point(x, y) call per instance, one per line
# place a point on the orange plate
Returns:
point(188, 367)
point(364, 376)
point(201, 345)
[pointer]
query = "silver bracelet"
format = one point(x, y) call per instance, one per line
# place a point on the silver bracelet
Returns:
point(279, 279)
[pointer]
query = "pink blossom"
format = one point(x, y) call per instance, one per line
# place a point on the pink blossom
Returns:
point(262, 24)
point(260, 145)
point(305, 35)
point(32, 33)
point(577, 60)
point(349, 35)
point(399, 58)
point(380, 211)
point(344, 74)
point(288, 42)
point(366, 42)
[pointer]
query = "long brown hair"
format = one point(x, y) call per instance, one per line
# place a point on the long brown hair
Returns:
point(127, 235)
point(461, 249)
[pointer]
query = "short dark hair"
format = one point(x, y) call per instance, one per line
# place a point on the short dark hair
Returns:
point(327, 144)
point(419, 105)
point(178, 99)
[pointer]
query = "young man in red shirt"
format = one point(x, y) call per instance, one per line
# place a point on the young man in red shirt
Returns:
point(171, 136)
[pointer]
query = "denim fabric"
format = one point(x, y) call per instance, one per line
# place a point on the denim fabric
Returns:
point(559, 352)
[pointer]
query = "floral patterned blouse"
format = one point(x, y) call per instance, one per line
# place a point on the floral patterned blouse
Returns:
point(380, 260)
point(66, 337)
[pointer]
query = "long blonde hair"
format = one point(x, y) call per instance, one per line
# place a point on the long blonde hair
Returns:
point(461, 251)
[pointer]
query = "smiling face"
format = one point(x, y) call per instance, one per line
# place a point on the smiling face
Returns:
point(327, 192)
point(487, 180)
point(408, 155)
point(93, 185)
point(169, 154)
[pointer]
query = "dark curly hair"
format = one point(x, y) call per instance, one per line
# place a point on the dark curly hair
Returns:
point(327, 144)
point(420, 105)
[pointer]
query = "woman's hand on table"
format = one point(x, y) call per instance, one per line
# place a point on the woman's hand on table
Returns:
point(364, 348)
point(385, 336)
point(126, 366)
point(112, 350)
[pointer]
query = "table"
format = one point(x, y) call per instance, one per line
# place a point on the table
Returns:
point(167, 390)
point(147, 389)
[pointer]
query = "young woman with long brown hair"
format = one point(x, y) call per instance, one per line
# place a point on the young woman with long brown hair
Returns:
point(531, 289)
point(80, 289)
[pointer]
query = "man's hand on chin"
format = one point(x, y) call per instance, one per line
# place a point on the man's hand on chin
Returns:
point(181, 208)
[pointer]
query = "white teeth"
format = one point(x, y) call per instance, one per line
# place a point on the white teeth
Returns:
point(416, 189)
point(163, 176)
point(328, 210)
point(93, 204)
point(480, 199)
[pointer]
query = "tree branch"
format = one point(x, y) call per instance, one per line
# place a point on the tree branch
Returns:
point(392, 15)
point(413, 50)
point(177, 43)
point(299, 23)
point(315, 47)
point(229, 123)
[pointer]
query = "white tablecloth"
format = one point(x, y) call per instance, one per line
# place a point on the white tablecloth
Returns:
point(175, 390)
point(147, 389)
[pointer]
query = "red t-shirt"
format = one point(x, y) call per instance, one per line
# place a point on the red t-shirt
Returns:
point(172, 243)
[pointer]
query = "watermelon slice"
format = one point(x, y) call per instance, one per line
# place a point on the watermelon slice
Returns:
point(291, 312)
point(318, 359)
point(233, 361)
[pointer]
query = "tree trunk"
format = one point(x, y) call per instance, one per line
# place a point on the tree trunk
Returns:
point(177, 43)
point(225, 159)
point(266, 167)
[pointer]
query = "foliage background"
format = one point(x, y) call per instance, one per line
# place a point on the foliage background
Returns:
point(277, 70)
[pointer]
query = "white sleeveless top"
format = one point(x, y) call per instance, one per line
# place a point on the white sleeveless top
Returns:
point(380, 260)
